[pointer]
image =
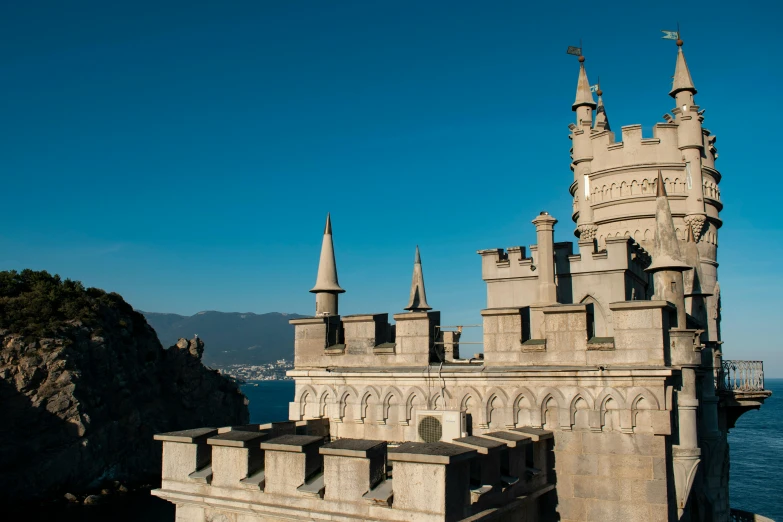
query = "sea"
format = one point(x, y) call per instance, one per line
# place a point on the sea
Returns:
point(756, 444)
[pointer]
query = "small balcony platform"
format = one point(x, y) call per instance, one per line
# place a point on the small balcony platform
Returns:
point(740, 387)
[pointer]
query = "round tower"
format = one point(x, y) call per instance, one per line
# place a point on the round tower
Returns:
point(582, 155)
point(615, 180)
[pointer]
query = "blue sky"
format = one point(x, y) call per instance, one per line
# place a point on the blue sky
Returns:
point(185, 154)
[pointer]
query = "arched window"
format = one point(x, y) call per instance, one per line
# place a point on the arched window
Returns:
point(599, 328)
point(551, 412)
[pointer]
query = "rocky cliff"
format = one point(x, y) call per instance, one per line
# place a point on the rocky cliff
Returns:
point(84, 385)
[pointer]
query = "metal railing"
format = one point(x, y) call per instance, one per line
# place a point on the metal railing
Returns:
point(741, 376)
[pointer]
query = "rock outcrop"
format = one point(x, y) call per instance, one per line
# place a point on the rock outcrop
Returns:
point(84, 385)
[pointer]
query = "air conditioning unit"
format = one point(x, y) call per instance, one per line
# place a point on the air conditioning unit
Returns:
point(440, 425)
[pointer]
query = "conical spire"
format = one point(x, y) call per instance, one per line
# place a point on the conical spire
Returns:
point(682, 76)
point(666, 248)
point(583, 94)
point(692, 278)
point(327, 268)
point(418, 300)
point(601, 120)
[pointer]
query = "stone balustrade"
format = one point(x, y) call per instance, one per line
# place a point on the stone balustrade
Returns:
point(245, 469)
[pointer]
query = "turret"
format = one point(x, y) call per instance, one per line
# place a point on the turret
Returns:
point(545, 235)
point(667, 266)
point(601, 120)
point(690, 140)
point(326, 286)
point(695, 295)
point(582, 153)
point(418, 299)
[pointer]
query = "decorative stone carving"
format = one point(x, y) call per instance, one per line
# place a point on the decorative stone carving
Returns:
point(696, 222)
point(587, 231)
point(686, 462)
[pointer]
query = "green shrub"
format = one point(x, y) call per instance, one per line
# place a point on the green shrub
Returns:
point(37, 304)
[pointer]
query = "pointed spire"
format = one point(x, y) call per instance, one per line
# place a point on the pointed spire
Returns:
point(660, 188)
point(682, 76)
point(583, 94)
point(601, 120)
point(327, 267)
point(666, 248)
point(418, 300)
point(692, 278)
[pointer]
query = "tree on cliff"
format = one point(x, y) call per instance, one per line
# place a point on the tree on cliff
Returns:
point(84, 385)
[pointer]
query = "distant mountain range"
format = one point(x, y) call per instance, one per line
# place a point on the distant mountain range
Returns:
point(230, 337)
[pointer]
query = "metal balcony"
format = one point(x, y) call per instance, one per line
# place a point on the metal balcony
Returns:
point(741, 376)
point(740, 387)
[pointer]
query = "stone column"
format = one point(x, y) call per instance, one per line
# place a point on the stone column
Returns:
point(545, 235)
point(687, 404)
point(686, 455)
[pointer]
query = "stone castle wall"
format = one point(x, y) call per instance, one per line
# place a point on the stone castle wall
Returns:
point(611, 476)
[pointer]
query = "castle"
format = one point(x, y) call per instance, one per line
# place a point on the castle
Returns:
point(601, 393)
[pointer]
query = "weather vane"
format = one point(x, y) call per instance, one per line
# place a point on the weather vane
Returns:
point(597, 87)
point(576, 51)
point(672, 35)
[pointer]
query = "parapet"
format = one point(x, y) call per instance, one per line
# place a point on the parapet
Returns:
point(642, 336)
point(248, 472)
point(634, 149)
point(368, 340)
point(616, 273)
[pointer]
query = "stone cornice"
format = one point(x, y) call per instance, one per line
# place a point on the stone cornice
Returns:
point(717, 176)
point(481, 372)
point(625, 199)
point(639, 166)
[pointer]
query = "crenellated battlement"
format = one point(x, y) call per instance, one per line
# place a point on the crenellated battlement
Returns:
point(366, 340)
point(633, 149)
point(565, 335)
point(512, 277)
point(251, 471)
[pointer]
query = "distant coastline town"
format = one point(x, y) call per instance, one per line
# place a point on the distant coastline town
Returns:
point(264, 372)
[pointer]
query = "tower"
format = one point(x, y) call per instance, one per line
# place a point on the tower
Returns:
point(697, 146)
point(582, 155)
point(689, 140)
point(616, 179)
point(326, 287)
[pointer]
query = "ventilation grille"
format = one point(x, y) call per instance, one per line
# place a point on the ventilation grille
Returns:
point(430, 429)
